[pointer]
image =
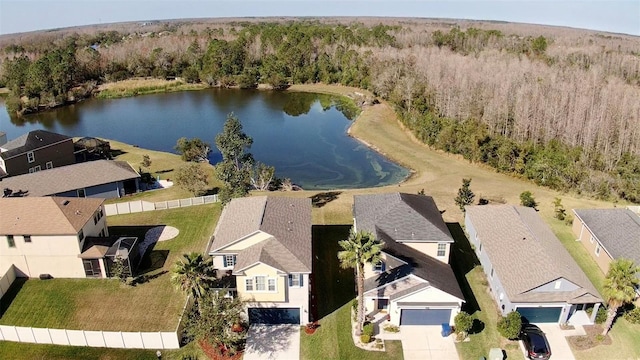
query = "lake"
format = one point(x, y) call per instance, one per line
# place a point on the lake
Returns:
point(303, 135)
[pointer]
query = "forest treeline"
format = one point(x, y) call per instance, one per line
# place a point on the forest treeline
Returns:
point(559, 109)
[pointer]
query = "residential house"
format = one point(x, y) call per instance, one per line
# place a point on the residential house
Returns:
point(527, 267)
point(264, 244)
point(35, 151)
point(608, 234)
point(59, 237)
point(98, 179)
point(413, 284)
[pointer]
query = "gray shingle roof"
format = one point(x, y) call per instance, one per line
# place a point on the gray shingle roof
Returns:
point(618, 230)
point(515, 236)
point(31, 141)
point(287, 220)
point(404, 217)
point(70, 177)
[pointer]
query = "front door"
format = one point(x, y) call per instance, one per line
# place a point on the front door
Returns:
point(92, 268)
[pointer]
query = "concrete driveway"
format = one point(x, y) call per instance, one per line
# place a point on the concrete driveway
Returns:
point(271, 342)
point(556, 337)
point(421, 342)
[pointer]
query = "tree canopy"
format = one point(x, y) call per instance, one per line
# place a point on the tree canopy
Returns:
point(619, 288)
point(237, 164)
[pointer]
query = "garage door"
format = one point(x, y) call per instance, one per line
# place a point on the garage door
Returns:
point(274, 316)
point(425, 316)
point(540, 314)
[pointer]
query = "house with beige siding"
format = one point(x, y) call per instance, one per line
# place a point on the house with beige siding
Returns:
point(262, 247)
point(608, 234)
point(58, 237)
point(414, 283)
point(527, 267)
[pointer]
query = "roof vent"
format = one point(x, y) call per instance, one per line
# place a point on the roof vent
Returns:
point(65, 203)
point(524, 238)
point(78, 212)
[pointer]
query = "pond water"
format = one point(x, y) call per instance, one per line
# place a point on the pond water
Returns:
point(303, 135)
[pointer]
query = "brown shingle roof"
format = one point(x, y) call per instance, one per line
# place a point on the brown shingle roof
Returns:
point(70, 177)
point(31, 141)
point(515, 235)
point(287, 220)
point(46, 215)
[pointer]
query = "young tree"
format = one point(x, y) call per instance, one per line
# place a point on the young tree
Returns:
point(526, 199)
point(360, 248)
point(193, 274)
point(213, 320)
point(463, 323)
point(193, 149)
point(510, 325)
point(560, 212)
point(619, 288)
point(236, 165)
point(192, 178)
point(465, 195)
point(146, 161)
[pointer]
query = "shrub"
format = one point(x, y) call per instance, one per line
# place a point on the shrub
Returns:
point(526, 199)
point(365, 339)
point(510, 325)
point(392, 328)
point(633, 316)
point(368, 329)
point(463, 323)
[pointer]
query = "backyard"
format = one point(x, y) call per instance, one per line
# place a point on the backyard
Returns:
point(106, 304)
point(333, 290)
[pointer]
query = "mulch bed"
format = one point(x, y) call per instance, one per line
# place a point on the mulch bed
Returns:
point(216, 354)
point(590, 340)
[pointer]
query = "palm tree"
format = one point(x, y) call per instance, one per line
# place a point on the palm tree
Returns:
point(360, 248)
point(619, 288)
point(193, 274)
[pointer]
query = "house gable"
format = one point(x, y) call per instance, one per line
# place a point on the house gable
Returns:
point(243, 242)
point(429, 295)
point(557, 285)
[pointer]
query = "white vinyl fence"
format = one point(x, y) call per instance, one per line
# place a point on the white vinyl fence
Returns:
point(108, 339)
point(140, 205)
point(7, 279)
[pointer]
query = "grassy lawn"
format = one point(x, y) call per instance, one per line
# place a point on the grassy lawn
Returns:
point(484, 334)
point(163, 165)
point(104, 304)
point(334, 288)
point(625, 336)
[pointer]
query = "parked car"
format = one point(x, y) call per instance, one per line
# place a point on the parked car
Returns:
point(535, 342)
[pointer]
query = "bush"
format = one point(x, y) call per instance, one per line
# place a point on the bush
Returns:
point(392, 328)
point(601, 316)
point(462, 323)
point(368, 329)
point(526, 199)
point(510, 325)
point(365, 339)
point(633, 316)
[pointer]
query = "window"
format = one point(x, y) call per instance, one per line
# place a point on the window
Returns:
point(27, 238)
point(81, 193)
point(598, 250)
point(260, 283)
point(492, 273)
point(295, 280)
point(442, 250)
point(272, 284)
point(49, 165)
point(97, 216)
point(31, 157)
point(591, 239)
point(557, 284)
point(229, 260)
point(480, 248)
point(81, 235)
point(248, 284)
point(379, 266)
point(35, 169)
point(10, 241)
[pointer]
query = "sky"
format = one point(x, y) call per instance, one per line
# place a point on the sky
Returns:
point(621, 16)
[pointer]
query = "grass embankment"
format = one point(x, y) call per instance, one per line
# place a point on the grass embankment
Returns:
point(333, 288)
point(163, 166)
point(134, 87)
point(105, 304)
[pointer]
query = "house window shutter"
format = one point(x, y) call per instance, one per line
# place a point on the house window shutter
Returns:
point(290, 280)
point(301, 279)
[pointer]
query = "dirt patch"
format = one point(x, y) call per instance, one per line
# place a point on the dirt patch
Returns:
point(592, 339)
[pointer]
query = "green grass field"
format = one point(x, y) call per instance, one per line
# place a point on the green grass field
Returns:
point(334, 290)
point(105, 304)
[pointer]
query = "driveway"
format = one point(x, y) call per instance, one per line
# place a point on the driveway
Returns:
point(271, 342)
point(560, 348)
point(421, 342)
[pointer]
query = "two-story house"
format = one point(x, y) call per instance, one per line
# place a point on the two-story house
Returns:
point(59, 237)
point(413, 283)
point(264, 243)
point(35, 151)
point(527, 267)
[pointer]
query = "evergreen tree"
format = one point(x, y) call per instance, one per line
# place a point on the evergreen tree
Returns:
point(465, 195)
